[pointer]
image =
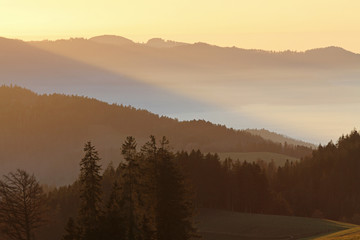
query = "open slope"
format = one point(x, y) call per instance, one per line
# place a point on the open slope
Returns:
point(223, 225)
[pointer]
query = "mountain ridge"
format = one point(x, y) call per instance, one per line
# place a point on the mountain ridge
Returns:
point(173, 43)
point(112, 39)
point(204, 54)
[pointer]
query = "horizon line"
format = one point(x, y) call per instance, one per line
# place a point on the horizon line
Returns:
point(171, 40)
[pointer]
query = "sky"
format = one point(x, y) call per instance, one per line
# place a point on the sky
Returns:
point(260, 24)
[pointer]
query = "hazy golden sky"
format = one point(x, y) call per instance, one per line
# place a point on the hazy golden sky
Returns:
point(262, 24)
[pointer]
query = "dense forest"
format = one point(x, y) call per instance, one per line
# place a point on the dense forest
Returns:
point(326, 184)
point(153, 180)
point(322, 185)
point(49, 130)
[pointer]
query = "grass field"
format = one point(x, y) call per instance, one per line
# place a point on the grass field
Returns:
point(348, 234)
point(279, 159)
point(224, 225)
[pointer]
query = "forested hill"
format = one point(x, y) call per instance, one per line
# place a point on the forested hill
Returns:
point(275, 137)
point(45, 133)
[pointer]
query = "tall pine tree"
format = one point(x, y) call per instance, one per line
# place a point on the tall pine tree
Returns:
point(132, 200)
point(150, 174)
point(171, 209)
point(90, 194)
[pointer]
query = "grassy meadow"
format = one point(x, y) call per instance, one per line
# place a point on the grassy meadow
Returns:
point(225, 225)
point(348, 234)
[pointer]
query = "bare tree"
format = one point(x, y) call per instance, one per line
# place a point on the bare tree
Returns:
point(22, 204)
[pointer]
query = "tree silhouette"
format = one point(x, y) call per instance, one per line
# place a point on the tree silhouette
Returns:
point(90, 194)
point(130, 174)
point(173, 208)
point(22, 205)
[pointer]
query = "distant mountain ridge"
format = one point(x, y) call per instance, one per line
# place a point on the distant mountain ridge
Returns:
point(198, 80)
point(125, 56)
point(321, 54)
point(112, 39)
point(161, 43)
point(158, 55)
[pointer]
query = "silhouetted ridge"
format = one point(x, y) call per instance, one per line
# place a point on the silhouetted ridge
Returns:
point(161, 43)
point(112, 39)
point(331, 50)
point(160, 56)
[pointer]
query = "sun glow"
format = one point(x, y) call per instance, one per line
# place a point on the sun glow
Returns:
point(275, 25)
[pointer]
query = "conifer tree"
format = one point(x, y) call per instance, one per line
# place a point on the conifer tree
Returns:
point(174, 208)
point(149, 182)
point(130, 174)
point(90, 194)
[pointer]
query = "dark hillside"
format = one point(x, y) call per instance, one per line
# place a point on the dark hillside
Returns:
point(45, 133)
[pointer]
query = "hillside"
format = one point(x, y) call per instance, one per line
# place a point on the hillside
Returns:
point(46, 72)
point(275, 137)
point(46, 133)
point(223, 225)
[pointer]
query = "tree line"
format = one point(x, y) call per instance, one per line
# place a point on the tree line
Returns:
point(154, 193)
point(144, 198)
point(323, 185)
point(147, 199)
